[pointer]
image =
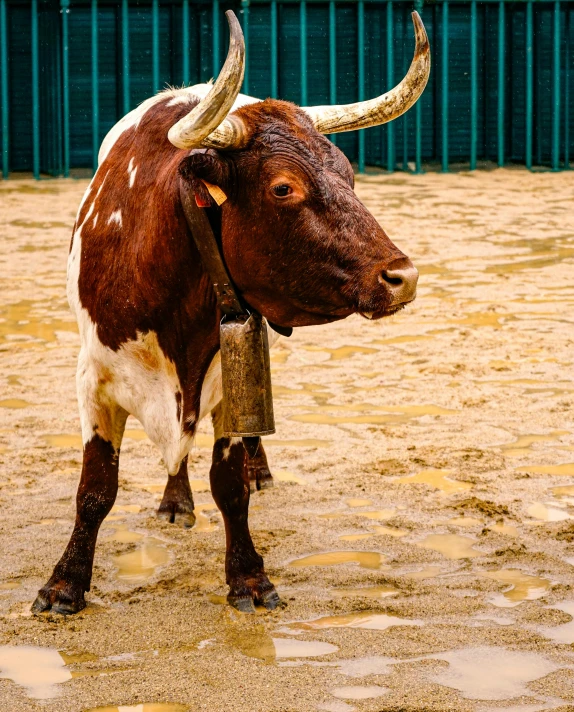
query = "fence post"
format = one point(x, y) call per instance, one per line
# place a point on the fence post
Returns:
point(567, 90)
point(361, 76)
point(274, 51)
point(5, 95)
point(125, 56)
point(65, 5)
point(35, 91)
point(215, 38)
point(529, 85)
point(303, 49)
point(95, 88)
point(501, 80)
point(185, 42)
point(556, 89)
point(473, 86)
point(444, 112)
point(155, 44)
point(418, 114)
point(390, 80)
point(245, 11)
point(333, 58)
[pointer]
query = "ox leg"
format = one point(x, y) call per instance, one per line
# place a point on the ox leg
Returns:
point(103, 423)
point(257, 468)
point(64, 592)
point(177, 503)
point(245, 575)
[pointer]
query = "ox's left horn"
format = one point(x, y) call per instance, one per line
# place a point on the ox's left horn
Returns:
point(389, 106)
point(207, 123)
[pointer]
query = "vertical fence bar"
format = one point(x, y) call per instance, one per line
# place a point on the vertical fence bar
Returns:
point(65, 5)
point(245, 10)
point(215, 49)
point(185, 42)
point(418, 114)
point(125, 56)
point(405, 117)
point(333, 58)
point(444, 112)
point(35, 91)
point(473, 85)
point(95, 87)
point(529, 85)
point(567, 90)
point(501, 80)
point(390, 81)
point(303, 49)
point(274, 51)
point(155, 44)
point(4, 72)
point(361, 76)
point(556, 89)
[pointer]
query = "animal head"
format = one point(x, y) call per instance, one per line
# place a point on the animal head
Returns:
point(299, 244)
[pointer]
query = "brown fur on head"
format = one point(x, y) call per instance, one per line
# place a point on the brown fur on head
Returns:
point(298, 242)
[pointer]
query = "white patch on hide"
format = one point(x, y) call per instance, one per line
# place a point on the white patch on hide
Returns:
point(116, 217)
point(227, 450)
point(178, 96)
point(137, 379)
point(132, 170)
point(95, 220)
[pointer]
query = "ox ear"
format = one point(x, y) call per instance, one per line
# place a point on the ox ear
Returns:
point(203, 166)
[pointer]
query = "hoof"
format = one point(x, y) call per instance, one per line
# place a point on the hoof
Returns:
point(174, 516)
point(248, 592)
point(59, 598)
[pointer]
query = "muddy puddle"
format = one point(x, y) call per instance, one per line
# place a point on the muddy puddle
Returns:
point(437, 479)
point(365, 559)
point(452, 546)
point(144, 561)
point(522, 587)
point(366, 620)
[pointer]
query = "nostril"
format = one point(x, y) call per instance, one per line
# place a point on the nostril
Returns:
point(392, 277)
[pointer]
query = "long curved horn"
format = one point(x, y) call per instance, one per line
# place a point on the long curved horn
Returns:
point(207, 123)
point(389, 106)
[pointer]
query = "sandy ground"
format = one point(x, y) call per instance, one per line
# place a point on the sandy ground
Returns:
point(421, 530)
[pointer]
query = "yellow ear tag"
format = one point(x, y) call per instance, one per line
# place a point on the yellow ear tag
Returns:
point(216, 193)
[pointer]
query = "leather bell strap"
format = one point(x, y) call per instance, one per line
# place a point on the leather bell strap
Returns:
point(203, 236)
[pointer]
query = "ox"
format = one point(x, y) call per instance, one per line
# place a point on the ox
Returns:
point(299, 245)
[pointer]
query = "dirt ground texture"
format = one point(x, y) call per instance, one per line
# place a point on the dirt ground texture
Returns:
point(421, 527)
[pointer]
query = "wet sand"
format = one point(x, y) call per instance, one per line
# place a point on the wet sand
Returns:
point(421, 530)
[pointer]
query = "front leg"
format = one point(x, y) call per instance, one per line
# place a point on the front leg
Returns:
point(248, 582)
point(64, 592)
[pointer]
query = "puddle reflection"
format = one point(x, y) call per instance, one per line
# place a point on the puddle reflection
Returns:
point(523, 587)
point(365, 559)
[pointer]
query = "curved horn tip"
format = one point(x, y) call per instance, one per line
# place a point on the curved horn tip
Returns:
point(422, 40)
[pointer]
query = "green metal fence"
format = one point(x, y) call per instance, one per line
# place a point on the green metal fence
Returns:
point(500, 88)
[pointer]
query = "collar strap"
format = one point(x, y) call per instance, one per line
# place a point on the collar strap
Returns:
point(204, 238)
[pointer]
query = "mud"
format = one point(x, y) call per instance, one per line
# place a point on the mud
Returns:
point(420, 529)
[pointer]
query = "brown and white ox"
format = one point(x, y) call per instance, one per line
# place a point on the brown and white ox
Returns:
point(299, 245)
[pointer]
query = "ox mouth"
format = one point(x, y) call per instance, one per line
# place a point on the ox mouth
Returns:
point(382, 313)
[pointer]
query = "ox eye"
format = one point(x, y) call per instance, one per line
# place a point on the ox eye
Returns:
point(282, 191)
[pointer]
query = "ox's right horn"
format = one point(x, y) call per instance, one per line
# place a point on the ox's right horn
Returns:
point(389, 106)
point(207, 123)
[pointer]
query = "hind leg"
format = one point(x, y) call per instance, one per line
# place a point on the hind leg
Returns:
point(177, 503)
point(103, 424)
point(257, 468)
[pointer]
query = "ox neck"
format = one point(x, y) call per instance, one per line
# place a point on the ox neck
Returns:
point(228, 298)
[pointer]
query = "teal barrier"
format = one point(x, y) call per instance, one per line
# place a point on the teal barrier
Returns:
point(500, 88)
